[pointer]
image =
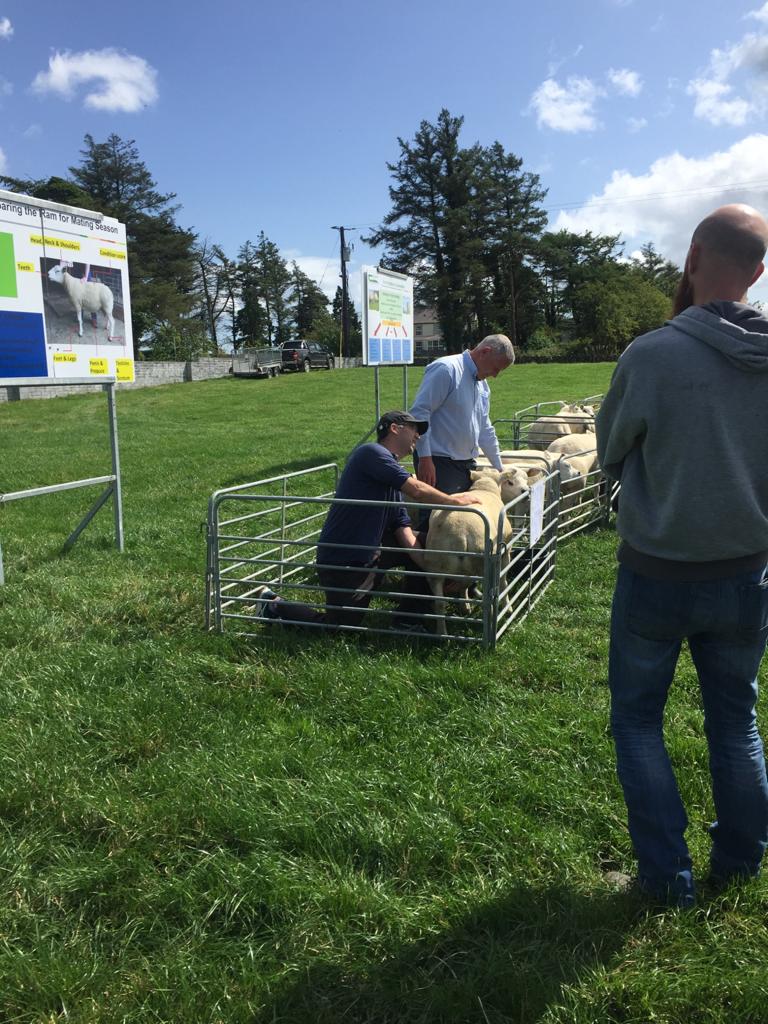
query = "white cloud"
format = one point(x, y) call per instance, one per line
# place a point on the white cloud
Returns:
point(713, 102)
point(636, 124)
point(6, 28)
point(761, 14)
point(32, 131)
point(666, 203)
point(568, 108)
point(122, 81)
point(6, 87)
point(3, 162)
point(713, 91)
point(628, 83)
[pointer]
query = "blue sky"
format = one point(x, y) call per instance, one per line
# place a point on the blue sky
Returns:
point(281, 117)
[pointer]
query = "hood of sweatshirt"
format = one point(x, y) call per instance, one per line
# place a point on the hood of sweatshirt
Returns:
point(738, 331)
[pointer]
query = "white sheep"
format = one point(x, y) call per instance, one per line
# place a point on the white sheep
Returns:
point(456, 539)
point(90, 296)
point(572, 419)
point(577, 459)
point(538, 461)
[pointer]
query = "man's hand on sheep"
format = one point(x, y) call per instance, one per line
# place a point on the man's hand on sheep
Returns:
point(465, 498)
point(417, 490)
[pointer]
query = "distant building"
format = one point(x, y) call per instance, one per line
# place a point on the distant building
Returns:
point(427, 336)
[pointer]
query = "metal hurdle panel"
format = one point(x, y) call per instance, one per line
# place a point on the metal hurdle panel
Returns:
point(526, 569)
point(584, 502)
point(508, 429)
point(233, 570)
point(266, 532)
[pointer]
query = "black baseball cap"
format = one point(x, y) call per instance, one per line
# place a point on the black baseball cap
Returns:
point(397, 416)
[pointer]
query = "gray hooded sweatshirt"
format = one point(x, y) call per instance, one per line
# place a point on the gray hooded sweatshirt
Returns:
point(683, 427)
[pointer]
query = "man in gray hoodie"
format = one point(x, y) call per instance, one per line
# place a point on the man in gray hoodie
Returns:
point(682, 429)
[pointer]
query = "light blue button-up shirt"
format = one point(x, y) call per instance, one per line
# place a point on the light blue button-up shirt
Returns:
point(456, 405)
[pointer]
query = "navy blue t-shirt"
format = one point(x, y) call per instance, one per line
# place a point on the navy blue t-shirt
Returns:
point(372, 474)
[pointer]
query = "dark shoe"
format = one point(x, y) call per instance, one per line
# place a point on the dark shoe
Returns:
point(717, 882)
point(263, 603)
point(679, 894)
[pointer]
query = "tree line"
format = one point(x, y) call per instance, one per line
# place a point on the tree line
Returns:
point(188, 298)
point(467, 222)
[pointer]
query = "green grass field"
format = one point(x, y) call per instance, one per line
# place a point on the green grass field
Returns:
point(195, 828)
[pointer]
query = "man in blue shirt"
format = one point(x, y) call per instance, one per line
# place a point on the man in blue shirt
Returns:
point(454, 399)
point(350, 562)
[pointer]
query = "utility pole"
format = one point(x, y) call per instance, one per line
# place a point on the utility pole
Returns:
point(345, 254)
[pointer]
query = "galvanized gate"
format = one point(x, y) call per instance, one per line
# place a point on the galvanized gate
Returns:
point(265, 533)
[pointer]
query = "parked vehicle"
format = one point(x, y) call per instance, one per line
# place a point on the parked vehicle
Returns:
point(257, 362)
point(306, 355)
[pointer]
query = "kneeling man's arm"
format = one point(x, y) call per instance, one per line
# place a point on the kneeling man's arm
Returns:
point(417, 490)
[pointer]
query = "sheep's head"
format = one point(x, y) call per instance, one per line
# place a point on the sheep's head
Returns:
point(514, 482)
point(567, 471)
point(56, 274)
point(588, 409)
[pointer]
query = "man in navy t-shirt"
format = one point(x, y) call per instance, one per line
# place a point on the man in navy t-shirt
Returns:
point(350, 562)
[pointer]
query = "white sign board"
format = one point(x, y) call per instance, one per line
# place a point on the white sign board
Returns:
point(387, 317)
point(537, 511)
point(65, 307)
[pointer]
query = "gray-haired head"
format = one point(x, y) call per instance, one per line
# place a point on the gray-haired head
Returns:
point(499, 344)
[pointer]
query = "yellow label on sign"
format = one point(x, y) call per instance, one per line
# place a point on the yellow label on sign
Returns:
point(64, 357)
point(124, 369)
point(55, 243)
point(112, 254)
point(29, 267)
point(98, 366)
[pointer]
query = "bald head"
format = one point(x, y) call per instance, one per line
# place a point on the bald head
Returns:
point(725, 257)
point(735, 235)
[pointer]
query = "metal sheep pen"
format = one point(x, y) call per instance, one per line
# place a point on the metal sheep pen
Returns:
point(266, 533)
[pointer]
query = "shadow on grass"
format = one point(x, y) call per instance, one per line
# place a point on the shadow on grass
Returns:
point(505, 962)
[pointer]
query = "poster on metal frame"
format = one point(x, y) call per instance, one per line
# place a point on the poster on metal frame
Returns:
point(65, 305)
point(387, 318)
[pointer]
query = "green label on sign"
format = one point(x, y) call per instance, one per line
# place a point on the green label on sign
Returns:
point(8, 287)
point(391, 306)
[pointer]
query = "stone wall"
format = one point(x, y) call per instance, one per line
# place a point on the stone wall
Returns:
point(148, 374)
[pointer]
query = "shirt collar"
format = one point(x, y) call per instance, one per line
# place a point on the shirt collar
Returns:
point(469, 364)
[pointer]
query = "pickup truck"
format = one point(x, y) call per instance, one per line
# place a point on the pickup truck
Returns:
point(306, 355)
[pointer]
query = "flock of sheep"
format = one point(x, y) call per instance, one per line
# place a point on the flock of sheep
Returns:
point(562, 443)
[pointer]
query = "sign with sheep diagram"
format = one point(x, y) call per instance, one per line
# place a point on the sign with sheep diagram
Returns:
point(387, 317)
point(64, 301)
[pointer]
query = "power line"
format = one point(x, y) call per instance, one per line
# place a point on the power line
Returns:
point(708, 190)
point(590, 204)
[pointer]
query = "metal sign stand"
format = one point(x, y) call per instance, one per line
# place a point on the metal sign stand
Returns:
point(377, 386)
point(113, 489)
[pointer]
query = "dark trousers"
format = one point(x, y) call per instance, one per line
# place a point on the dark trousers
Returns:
point(452, 477)
point(349, 589)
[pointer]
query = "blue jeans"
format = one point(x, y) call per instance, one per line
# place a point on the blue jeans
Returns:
point(726, 625)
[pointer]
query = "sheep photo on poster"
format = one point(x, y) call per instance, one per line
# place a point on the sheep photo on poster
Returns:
point(83, 303)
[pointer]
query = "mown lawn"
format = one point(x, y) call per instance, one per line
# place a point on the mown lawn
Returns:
point(196, 828)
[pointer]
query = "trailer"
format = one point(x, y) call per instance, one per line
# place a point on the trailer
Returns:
point(257, 362)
